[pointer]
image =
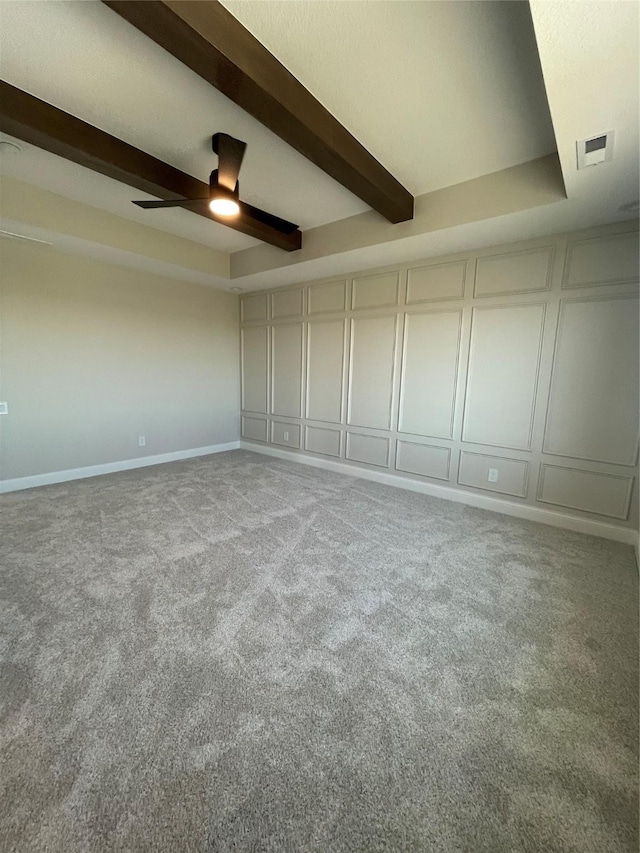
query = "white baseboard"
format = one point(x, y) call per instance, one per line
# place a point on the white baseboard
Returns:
point(506, 507)
point(111, 467)
point(530, 513)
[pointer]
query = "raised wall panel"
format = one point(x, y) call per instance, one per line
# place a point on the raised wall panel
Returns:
point(286, 303)
point(327, 298)
point(603, 494)
point(514, 272)
point(371, 449)
point(423, 459)
point(440, 281)
point(254, 429)
point(371, 372)
point(325, 366)
point(286, 379)
point(320, 440)
point(376, 291)
point(602, 260)
point(474, 357)
point(512, 473)
point(429, 373)
point(254, 343)
point(285, 434)
point(254, 307)
point(502, 376)
point(593, 406)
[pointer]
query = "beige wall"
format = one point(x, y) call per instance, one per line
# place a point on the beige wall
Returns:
point(520, 358)
point(94, 355)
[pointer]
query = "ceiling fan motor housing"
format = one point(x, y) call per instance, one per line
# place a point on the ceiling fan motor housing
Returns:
point(217, 190)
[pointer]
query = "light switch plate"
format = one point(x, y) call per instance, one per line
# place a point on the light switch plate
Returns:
point(4, 408)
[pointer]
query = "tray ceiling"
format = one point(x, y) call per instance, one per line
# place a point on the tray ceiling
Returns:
point(449, 96)
point(439, 92)
point(428, 88)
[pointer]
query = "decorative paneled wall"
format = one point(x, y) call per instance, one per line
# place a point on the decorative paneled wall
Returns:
point(511, 370)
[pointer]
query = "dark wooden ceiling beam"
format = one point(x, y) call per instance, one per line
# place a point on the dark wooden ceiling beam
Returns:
point(209, 40)
point(26, 117)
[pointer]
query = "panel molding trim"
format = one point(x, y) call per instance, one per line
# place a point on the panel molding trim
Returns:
point(584, 474)
point(285, 433)
point(477, 311)
point(575, 245)
point(579, 524)
point(392, 375)
point(314, 429)
point(403, 371)
point(309, 367)
point(449, 266)
point(549, 416)
point(293, 299)
point(260, 427)
point(326, 286)
point(370, 441)
point(393, 281)
point(244, 373)
point(275, 383)
point(375, 374)
point(549, 251)
point(251, 308)
point(515, 464)
point(401, 444)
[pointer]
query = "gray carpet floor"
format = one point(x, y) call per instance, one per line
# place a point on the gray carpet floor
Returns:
point(236, 653)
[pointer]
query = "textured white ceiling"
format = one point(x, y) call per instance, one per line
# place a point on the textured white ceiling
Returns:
point(439, 92)
point(101, 69)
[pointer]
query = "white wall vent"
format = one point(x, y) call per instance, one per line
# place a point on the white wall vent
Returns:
point(595, 150)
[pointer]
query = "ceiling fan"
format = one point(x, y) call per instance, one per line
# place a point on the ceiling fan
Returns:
point(224, 203)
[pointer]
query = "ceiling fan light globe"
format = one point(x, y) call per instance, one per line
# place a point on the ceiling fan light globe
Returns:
point(224, 207)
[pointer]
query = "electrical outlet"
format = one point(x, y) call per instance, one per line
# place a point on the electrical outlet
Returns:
point(141, 441)
point(286, 436)
point(493, 475)
point(4, 408)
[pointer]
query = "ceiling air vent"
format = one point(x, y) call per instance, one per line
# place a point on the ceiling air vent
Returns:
point(592, 152)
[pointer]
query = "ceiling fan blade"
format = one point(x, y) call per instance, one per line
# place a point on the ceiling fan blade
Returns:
point(230, 152)
point(256, 223)
point(251, 221)
point(269, 219)
point(174, 202)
